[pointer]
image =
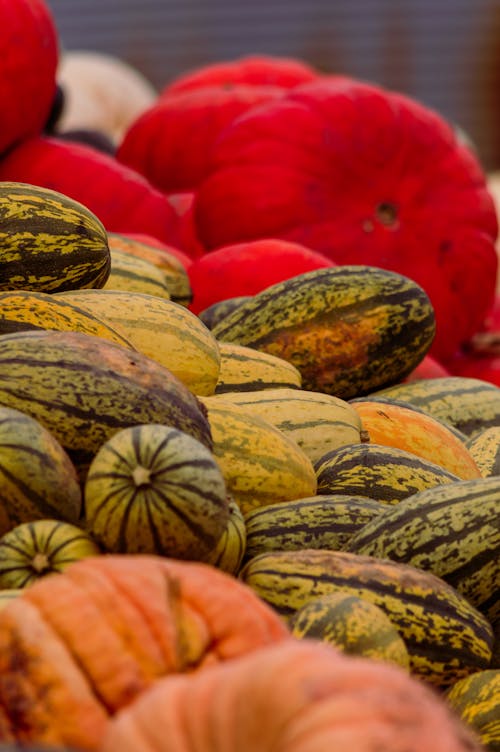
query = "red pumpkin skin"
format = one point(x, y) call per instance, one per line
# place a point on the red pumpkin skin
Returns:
point(122, 199)
point(365, 176)
point(428, 368)
point(248, 268)
point(258, 70)
point(182, 203)
point(30, 52)
point(171, 143)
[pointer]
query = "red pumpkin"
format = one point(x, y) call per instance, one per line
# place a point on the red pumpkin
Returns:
point(365, 176)
point(171, 142)
point(122, 199)
point(182, 204)
point(428, 368)
point(28, 65)
point(260, 70)
point(248, 268)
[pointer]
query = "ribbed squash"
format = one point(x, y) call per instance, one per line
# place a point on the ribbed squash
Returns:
point(174, 271)
point(154, 489)
point(476, 699)
point(232, 545)
point(218, 311)
point(317, 422)
point(260, 464)
point(39, 548)
point(446, 637)
point(384, 473)
point(23, 310)
point(354, 625)
point(49, 242)
point(133, 274)
point(37, 477)
point(161, 329)
point(401, 427)
point(347, 329)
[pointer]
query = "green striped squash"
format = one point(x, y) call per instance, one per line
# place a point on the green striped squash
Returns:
point(348, 329)
point(154, 489)
point(24, 310)
point(218, 311)
point(317, 422)
point(36, 549)
point(260, 464)
point(231, 548)
point(446, 637)
point(484, 446)
point(161, 329)
point(470, 405)
point(451, 530)
point(37, 477)
point(324, 522)
point(386, 474)
point(133, 274)
point(84, 388)
point(353, 625)
point(243, 369)
point(49, 242)
point(476, 699)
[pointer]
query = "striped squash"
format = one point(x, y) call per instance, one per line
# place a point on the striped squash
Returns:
point(386, 474)
point(37, 477)
point(324, 522)
point(232, 545)
point(23, 310)
point(161, 329)
point(469, 404)
point(243, 369)
point(218, 311)
point(348, 329)
point(83, 389)
point(484, 446)
point(174, 272)
point(133, 274)
point(317, 422)
point(446, 637)
point(404, 428)
point(36, 549)
point(352, 624)
point(49, 242)
point(154, 489)
point(260, 464)
point(476, 699)
point(451, 530)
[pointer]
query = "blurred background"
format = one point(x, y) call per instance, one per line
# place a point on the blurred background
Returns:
point(446, 53)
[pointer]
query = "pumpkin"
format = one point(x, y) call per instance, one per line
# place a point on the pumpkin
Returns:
point(101, 92)
point(257, 70)
point(364, 176)
point(30, 52)
point(77, 647)
point(122, 199)
point(248, 268)
point(171, 142)
point(182, 204)
point(300, 696)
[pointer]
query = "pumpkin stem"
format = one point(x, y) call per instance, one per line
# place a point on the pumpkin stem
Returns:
point(386, 213)
point(141, 475)
point(40, 562)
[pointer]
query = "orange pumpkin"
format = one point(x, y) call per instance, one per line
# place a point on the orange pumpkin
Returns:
point(78, 646)
point(300, 696)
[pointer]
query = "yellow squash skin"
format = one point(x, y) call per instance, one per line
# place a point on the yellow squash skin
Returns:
point(446, 637)
point(352, 624)
point(484, 447)
point(243, 369)
point(476, 698)
point(347, 329)
point(39, 548)
point(161, 329)
point(23, 310)
point(317, 422)
point(49, 242)
point(130, 273)
point(260, 464)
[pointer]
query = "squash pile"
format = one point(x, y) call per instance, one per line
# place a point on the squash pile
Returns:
point(243, 503)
